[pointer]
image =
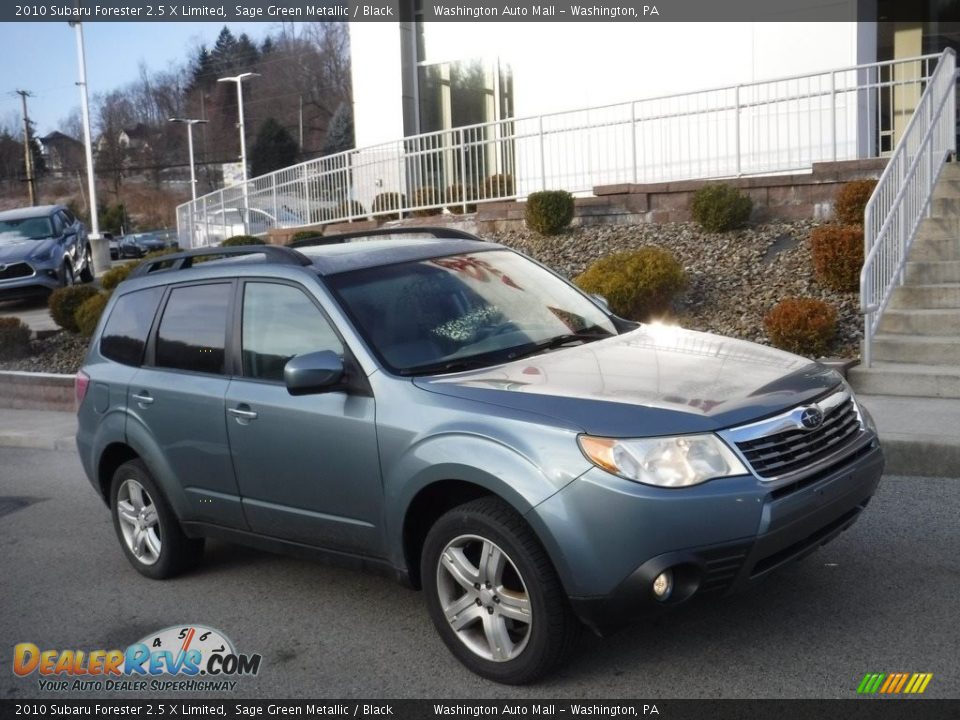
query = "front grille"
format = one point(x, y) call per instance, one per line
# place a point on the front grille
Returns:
point(786, 452)
point(17, 270)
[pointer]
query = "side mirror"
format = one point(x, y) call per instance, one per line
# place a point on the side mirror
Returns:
point(312, 373)
point(602, 300)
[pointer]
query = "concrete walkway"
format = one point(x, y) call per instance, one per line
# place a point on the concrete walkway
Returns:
point(920, 436)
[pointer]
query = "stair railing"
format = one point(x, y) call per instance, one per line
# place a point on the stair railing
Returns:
point(904, 194)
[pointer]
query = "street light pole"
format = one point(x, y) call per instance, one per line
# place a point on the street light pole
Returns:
point(101, 249)
point(190, 122)
point(238, 79)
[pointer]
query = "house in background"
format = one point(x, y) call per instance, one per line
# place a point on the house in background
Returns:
point(62, 154)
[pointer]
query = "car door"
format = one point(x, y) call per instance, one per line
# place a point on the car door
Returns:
point(307, 466)
point(176, 400)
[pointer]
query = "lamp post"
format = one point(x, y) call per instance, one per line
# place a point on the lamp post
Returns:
point(238, 79)
point(190, 122)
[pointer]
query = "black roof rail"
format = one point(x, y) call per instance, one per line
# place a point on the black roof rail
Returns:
point(184, 260)
point(433, 231)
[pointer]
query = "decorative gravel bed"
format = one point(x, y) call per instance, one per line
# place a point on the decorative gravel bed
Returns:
point(735, 278)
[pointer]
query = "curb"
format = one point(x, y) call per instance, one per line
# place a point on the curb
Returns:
point(66, 443)
point(921, 455)
point(36, 391)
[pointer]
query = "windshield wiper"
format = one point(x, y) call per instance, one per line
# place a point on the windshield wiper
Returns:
point(583, 336)
point(447, 367)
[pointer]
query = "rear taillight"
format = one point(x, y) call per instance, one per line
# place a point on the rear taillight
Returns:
point(80, 384)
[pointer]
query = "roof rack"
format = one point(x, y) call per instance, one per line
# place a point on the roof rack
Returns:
point(184, 260)
point(436, 232)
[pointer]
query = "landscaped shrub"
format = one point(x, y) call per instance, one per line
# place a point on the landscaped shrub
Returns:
point(718, 208)
point(837, 256)
point(455, 196)
point(64, 302)
point(426, 196)
point(238, 240)
point(497, 186)
point(88, 314)
point(116, 275)
point(389, 201)
point(550, 211)
point(304, 235)
point(851, 200)
point(638, 284)
point(14, 338)
point(802, 325)
point(348, 208)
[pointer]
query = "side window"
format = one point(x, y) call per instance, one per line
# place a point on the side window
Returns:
point(68, 217)
point(125, 333)
point(57, 224)
point(279, 322)
point(192, 334)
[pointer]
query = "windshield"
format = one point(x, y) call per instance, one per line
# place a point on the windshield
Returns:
point(35, 228)
point(470, 310)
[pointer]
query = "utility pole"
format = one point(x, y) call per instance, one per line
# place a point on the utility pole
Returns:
point(28, 148)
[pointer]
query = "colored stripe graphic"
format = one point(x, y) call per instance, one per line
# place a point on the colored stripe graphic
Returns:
point(894, 683)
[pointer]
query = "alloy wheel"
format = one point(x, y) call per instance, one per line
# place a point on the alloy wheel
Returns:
point(139, 522)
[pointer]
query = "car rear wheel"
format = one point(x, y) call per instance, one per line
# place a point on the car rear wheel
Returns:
point(493, 594)
point(146, 526)
point(86, 275)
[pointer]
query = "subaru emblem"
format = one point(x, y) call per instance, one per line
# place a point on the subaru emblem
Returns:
point(811, 418)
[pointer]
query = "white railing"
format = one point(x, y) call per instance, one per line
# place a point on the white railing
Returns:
point(772, 126)
point(904, 194)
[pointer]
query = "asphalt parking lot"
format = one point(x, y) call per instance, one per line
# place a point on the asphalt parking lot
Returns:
point(881, 598)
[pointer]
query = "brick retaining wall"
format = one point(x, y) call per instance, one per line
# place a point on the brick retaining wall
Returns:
point(36, 391)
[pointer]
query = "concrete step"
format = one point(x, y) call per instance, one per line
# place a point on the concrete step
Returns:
point(933, 273)
point(939, 229)
point(906, 379)
point(927, 297)
point(951, 171)
point(935, 250)
point(947, 188)
point(926, 350)
point(945, 207)
point(921, 322)
point(918, 434)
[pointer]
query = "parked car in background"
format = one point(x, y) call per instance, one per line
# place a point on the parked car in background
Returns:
point(137, 245)
point(42, 248)
point(456, 415)
point(219, 225)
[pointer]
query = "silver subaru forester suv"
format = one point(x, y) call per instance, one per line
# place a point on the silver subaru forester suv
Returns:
point(452, 413)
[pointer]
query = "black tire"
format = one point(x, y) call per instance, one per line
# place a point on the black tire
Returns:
point(552, 630)
point(66, 275)
point(177, 552)
point(86, 275)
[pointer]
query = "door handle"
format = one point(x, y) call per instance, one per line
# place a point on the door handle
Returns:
point(241, 414)
point(143, 399)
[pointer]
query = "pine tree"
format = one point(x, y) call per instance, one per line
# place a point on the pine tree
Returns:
point(340, 132)
point(273, 149)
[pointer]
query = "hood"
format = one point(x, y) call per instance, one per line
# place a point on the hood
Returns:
point(655, 380)
point(15, 248)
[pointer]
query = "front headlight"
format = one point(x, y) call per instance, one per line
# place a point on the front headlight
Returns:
point(664, 461)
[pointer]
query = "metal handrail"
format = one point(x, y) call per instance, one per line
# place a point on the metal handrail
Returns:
point(904, 195)
point(770, 126)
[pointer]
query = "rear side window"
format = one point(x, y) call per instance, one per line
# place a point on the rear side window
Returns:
point(125, 334)
point(193, 330)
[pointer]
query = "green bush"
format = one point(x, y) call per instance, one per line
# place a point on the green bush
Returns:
point(238, 240)
point(88, 314)
point(116, 275)
point(14, 338)
point(851, 200)
point(389, 201)
point(350, 208)
point(638, 284)
point(304, 235)
point(837, 252)
point(64, 302)
point(550, 211)
point(802, 325)
point(719, 208)
point(426, 196)
point(456, 195)
point(498, 186)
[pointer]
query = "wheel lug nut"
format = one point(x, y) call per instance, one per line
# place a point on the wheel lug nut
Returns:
point(496, 599)
point(490, 610)
point(476, 586)
point(488, 586)
point(479, 603)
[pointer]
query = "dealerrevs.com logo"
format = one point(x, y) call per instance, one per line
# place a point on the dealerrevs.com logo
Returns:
point(185, 658)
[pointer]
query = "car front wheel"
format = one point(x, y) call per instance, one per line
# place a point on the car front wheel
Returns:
point(146, 526)
point(493, 594)
point(66, 275)
point(86, 275)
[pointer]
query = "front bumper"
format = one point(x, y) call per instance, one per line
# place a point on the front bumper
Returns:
point(736, 533)
point(45, 277)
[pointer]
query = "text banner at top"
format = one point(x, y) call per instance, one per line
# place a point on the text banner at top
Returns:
point(478, 11)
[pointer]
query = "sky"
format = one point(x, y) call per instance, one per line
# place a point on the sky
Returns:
point(42, 58)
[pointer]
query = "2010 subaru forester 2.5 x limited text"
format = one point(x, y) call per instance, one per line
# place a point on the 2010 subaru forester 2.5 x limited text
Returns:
point(455, 414)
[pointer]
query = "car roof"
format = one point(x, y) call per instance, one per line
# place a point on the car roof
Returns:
point(29, 212)
point(363, 254)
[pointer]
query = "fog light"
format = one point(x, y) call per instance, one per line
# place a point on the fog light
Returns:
point(663, 585)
